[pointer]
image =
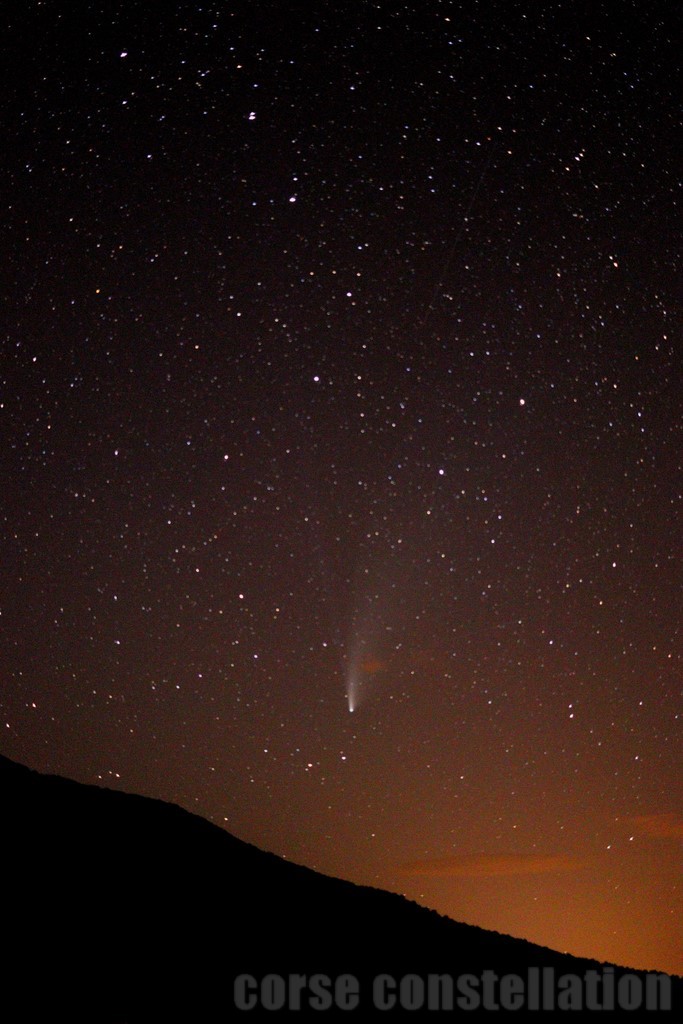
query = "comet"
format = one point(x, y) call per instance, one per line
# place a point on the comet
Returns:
point(352, 686)
point(363, 666)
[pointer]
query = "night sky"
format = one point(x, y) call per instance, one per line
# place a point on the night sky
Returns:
point(341, 439)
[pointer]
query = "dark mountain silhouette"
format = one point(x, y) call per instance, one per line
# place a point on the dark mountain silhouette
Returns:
point(119, 908)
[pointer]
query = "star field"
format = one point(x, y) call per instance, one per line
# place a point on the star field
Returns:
point(338, 374)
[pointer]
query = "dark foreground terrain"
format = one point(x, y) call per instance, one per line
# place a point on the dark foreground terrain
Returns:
point(118, 908)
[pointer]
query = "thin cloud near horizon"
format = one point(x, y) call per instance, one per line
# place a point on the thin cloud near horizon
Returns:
point(667, 825)
point(490, 866)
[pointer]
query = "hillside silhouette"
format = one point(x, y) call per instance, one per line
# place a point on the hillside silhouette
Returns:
point(121, 909)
